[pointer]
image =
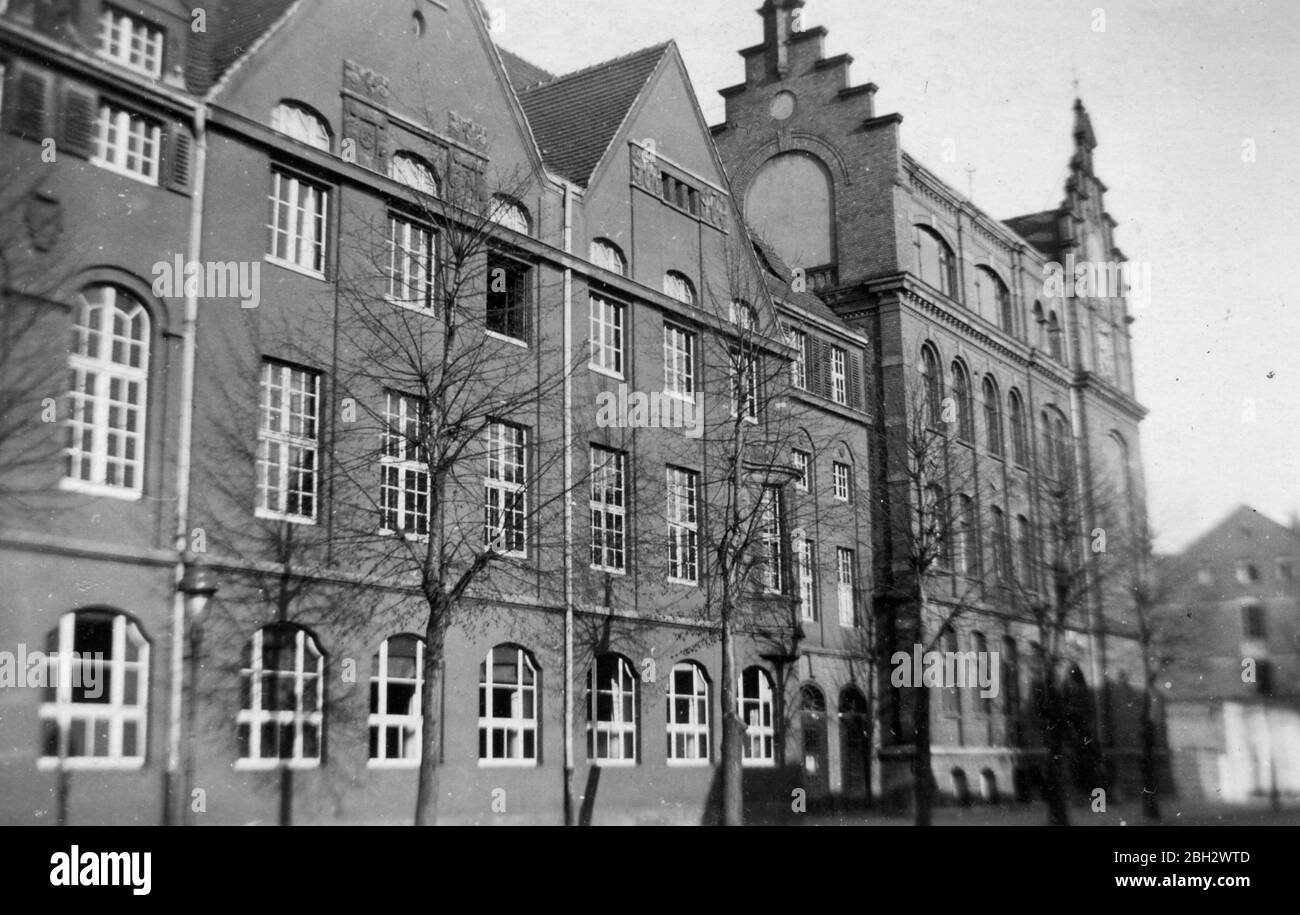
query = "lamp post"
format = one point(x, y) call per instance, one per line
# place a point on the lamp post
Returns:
point(197, 585)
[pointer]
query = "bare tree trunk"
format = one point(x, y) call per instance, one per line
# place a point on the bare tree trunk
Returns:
point(1150, 775)
point(921, 764)
point(426, 793)
point(1054, 789)
point(731, 771)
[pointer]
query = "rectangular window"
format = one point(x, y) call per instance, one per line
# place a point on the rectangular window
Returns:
point(805, 571)
point(394, 720)
point(1254, 625)
point(410, 263)
point(799, 367)
point(1001, 546)
point(288, 444)
point(679, 362)
point(688, 715)
point(130, 42)
point(683, 525)
point(507, 708)
point(508, 297)
point(298, 212)
point(606, 336)
point(608, 509)
point(611, 711)
point(844, 579)
point(504, 489)
point(842, 476)
point(404, 468)
point(127, 143)
point(770, 535)
point(803, 467)
point(744, 384)
point(839, 376)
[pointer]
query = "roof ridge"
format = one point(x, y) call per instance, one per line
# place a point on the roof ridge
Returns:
point(660, 48)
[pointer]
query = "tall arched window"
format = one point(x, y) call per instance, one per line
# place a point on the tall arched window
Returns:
point(993, 299)
point(109, 363)
point(678, 286)
point(413, 171)
point(936, 264)
point(1019, 435)
point(612, 711)
point(1055, 338)
point(606, 254)
point(932, 378)
point(301, 123)
point(1038, 333)
point(688, 715)
point(790, 204)
point(934, 542)
point(96, 706)
point(1057, 457)
point(967, 537)
point(507, 707)
point(508, 212)
point(395, 682)
point(993, 415)
point(756, 712)
point(281, 718)
point(961, 394)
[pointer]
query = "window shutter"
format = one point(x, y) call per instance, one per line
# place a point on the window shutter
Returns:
point(78, 123)
point(28, 117)
point(819, 372)
point(853, 368)
point(180, 159)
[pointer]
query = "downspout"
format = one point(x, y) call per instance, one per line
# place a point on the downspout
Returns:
point(1096, 642)
point(568, 509)
point(171, 786)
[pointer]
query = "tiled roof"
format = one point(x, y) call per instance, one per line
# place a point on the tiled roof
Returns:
point(522, 73)
point(778, 283)
point(1039, 229)
point(233, 26)
point(574, 118)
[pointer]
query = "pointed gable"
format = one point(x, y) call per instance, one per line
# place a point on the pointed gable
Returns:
point(232, 28)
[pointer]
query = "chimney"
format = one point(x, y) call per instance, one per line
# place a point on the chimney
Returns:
point(778, 25)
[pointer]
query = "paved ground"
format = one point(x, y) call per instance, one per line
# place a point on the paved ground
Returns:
point(1176, 813)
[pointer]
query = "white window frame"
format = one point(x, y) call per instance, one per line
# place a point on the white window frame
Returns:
point(744, 383)
point(303, 682)
point(411, 261)
point(305, 205)
point(91, 401)
point(302, 124)
point(799, 365)
point(683, 495)
point(403, 468)
point(519, 724)
point(839, 376)
point(409, 170)
point(608, 504)
point(679, 287)
point(770, 536)
point(756, 713)
point(805, 572)
point(130, 42)
point(274, 433)
point(409, 724)
point(127, 143)
point(845, 590)
point(606, 322)
point(617, 729)
point(679, 362)
point(691, 730)
point(509, 213)
point(842, 481)
point(605, 254)
point(803, 464)
point(505, 488)
point(115, 714)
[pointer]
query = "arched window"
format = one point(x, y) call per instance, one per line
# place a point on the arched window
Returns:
point(1001, 546)
point(933, 380)
point(109, 363)
point(1055, 338)
point(993, 299)
point(97, 692)
point(688, 714)
point(993, 415)
point(756, 712)
point(1019, 435)
point(612, 711)
point(411, 170)
point(510, 213)
point(949, 697)
point(790, 204)
point(606, 254)
point(1057, 457)
point(678, 286)
point(934, 542)
point(395, 682)
point(967, 537)
point(507, 707)
point(1038, 333)
point(301, 123)
point(1024, 556)
point(936, 264)
point(280, 720)
point(981, 645)
point(1011, 687)
point(961, 393)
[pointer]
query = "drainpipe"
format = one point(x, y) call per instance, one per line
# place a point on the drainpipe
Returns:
point(172, 800)
point(568, 509)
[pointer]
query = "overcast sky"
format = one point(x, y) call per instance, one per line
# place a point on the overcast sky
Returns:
point(1179, 93)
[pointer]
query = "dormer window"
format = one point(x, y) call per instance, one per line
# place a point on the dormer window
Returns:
point(409, 169)
point(606, 254)
point(302, 124)
point(131, 42)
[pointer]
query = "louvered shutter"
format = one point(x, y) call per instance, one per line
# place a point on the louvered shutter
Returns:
point(819, 373)
point(28, 115)
point(853, 369)
point(180, 159)
point(78, 120)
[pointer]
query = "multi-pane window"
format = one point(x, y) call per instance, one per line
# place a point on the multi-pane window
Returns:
point(839, 376)
point(770, 538)
point(395, 688)
point(608, 509)
point(109, 364)
point(803, 469)
point(967, 552)
point(606, 335)
point(507, 707)
point(410, 262)
point(404, 467)
point(935, 260)
point(282, 688)
point(993, 416)
point(605, 253)
point(298, 213)
point(288, 442)
point(412, 171)
point(509, 213)
point(842, 479)
point(131, 42)
point(505, 489)
point(799, 367)
point(127, 142)
point(508, 297)
point(805, 571)
point(756, 713)
point(688, 715)
point(932, 378)
point(932, 528)
point(744, 384)
point(611, 711)
point(845, 590)
point(95, 708)
point(683, 525)
point(961, 393)
point(1019, 435)
point(678, 286)
point(301, 123)
point(679, 362)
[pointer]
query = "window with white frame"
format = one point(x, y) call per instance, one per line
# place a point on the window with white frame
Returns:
point(301, 123)
point(109, 365)
point(282, 683)
point(799, 366)
point(606, 254)
point(131, 42)
point(611, 711)
point(678, 286)
point(395, 684)
point(409, 169)
point(683, 525)
point(509, 297)
point(756, 714)
point(509, 213)
point(298, 212)
point(839, 376)
point(606, 335)
point(410, 262)
point(688, 715)
point(842, 480)
point(844, 562)
point(507, 707)
point(803, 469)
point(97, 690)
point(127, 142)
point(770, 538)
point(504, 489)
point(744, 384)
point(404, 467)
point(608, 509)
point(679, 362)
point(805, 571)
point(288, 442)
